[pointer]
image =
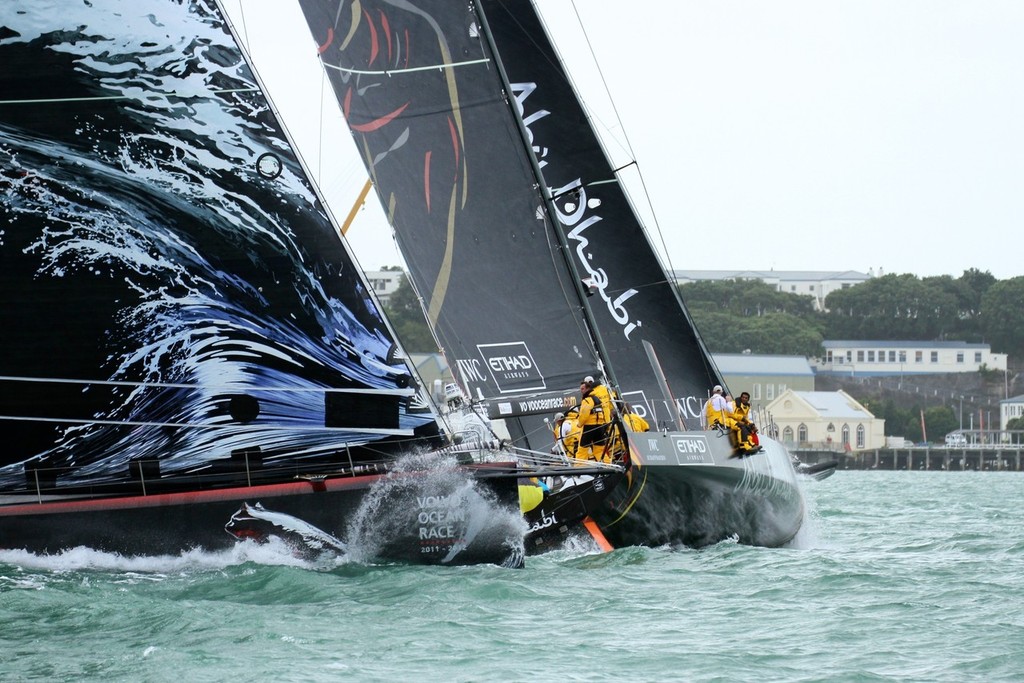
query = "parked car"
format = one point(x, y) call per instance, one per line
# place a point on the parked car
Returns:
point(956, 440)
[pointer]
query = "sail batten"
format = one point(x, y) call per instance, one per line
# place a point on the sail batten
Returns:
point(101, 98)
point(406, 70)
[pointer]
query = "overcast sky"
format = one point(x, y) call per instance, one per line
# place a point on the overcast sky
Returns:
point(857, 135)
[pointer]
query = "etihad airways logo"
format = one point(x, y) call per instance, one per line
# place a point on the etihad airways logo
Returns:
point(572, 214)
point(511, 363)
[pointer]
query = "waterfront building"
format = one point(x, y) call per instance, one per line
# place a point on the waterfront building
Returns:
point(891, 358)
point(830, 420)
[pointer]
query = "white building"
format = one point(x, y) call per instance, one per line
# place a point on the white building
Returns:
point(1010, 409)
point(384, 283)
point(889, 358)
point(815, 283)
point(826, 419)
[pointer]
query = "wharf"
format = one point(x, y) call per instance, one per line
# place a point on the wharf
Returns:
point(938, 458)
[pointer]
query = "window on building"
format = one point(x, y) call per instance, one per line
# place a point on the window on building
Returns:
point(860, 356)
point(892, 356)
point(918, 356)
point(871, 356)
point(849, 356)
point(977, 356)
point(828, 356)
point(802, 433)
point(810, 288)
point(755, 392)
point(846, 435)
point(769, 392)
point(787, 435)
point(959, 356)
point(903, 356)
point(792, 288)
point(935, 356)
point(860, 436)
point(782, 388)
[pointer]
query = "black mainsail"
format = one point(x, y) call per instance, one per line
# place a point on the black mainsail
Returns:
point(432, 120)
point(443, 138)
point(532, 262)
point(637, 309)
point(185, 332)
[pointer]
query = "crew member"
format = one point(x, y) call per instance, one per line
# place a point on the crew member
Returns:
point(716, 410)
point(594, 419)
point(631, 422)
point(567, 432)
point(744, 432)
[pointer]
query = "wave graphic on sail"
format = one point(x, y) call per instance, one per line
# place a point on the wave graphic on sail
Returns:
point(164, 253)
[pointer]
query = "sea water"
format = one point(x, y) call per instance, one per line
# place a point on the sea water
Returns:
point(897, 576)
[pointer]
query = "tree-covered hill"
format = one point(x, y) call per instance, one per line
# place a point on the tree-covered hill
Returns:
point(733, 316)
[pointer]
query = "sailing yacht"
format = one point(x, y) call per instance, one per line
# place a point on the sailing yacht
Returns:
point(532, 266)
point(191, 355)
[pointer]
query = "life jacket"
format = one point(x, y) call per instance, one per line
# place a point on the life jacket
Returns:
point(596, 407)
point(713, 415)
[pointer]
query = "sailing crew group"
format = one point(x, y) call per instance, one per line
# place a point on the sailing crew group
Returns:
point(596, 431)
point(593, 431)
point(734, 417)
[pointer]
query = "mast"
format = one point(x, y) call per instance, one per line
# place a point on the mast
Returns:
point(549, 208)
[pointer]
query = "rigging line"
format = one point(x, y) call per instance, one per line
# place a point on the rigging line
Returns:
point(219, 387)
point(625, 136)
point(320, 132)
point(98, 98)
point(392, 72)
point(245, 26)
point(592, 183)
point(254, 427)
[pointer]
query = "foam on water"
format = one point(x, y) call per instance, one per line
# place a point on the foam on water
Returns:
point(808, 536)
point(273, 553)
point(423, 482)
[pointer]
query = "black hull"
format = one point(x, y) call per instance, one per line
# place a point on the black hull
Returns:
point(691, 489)
point(560, 514)
point(417, 522)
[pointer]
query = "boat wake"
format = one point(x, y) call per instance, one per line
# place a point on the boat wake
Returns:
point(453, 514)
point(808, 537)
point(428, 509)
point(274, 553)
